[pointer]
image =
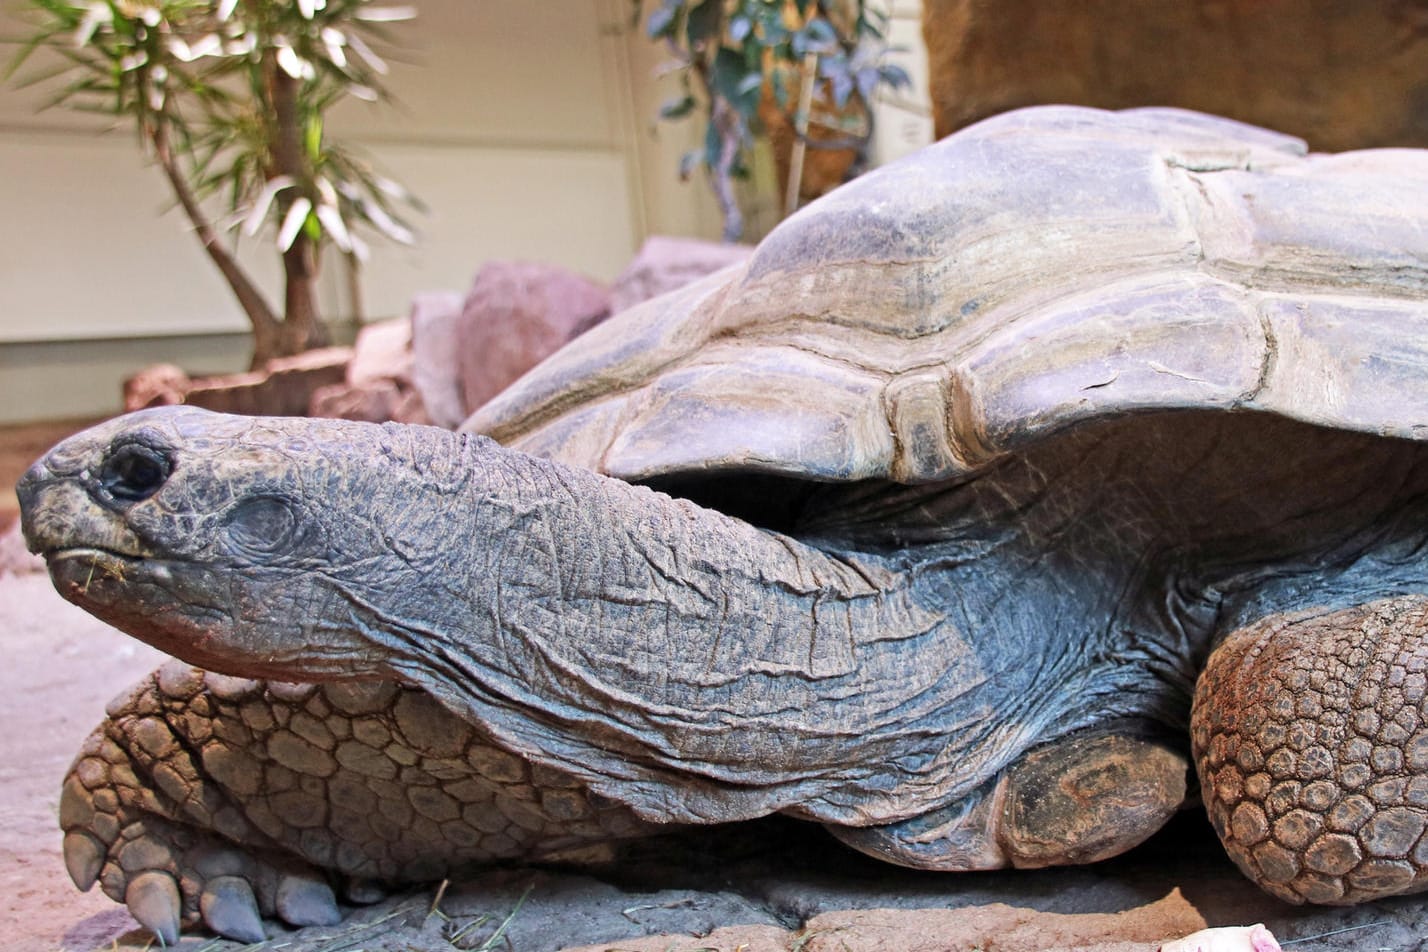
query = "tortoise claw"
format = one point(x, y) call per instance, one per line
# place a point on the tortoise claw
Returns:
point(1088, 797)
point(83, 859)
point(153, 900)
point(230, 909)
point(304, 900)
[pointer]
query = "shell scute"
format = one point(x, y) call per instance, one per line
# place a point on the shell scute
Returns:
point(1040, 269)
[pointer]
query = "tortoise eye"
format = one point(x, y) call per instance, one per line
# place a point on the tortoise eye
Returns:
point(134, 472)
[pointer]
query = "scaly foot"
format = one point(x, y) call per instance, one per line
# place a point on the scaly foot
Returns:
point(1311, 737)
point(228, 801)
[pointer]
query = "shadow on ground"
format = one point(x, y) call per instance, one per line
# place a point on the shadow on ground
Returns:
point(790, 887)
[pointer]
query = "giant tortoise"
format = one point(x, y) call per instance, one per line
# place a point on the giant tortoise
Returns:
point(996, 486)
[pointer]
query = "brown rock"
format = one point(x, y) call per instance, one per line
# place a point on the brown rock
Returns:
point(515, 315)
point(158, 385)
point(666, 263)
point(1343, 74)
point(284, 387)
point(378, 385)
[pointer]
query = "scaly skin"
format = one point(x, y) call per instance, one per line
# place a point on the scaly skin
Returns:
point(198, 776)
point(1311, 738)
point(965, 676)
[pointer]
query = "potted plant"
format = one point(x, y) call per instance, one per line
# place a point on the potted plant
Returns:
point(228, 98)
point(747, 65)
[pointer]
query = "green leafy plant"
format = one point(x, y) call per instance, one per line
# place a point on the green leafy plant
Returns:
point(733, 54)
point(228, 97)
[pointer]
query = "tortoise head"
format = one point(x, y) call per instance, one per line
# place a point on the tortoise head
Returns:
point(228, 541)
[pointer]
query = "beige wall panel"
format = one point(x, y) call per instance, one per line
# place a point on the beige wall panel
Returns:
point(86, 250)
point(570, 208)
point(511, 71)
point(53, 381)
point(671, 206)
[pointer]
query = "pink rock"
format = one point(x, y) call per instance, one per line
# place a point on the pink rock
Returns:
point(516, 314)
point(375, 401)
point(665, 263)
point(382, 351)
point(435, 321)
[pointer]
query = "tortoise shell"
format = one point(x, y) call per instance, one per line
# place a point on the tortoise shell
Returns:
point(941, 311)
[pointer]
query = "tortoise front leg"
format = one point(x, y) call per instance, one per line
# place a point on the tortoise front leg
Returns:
point(1310, 732)
point(223, 800)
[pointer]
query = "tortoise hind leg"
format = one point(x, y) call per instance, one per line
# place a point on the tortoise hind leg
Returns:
point(1080, 799)
point(1310, 733)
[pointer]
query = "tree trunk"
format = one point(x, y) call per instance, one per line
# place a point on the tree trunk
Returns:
point(302, 327)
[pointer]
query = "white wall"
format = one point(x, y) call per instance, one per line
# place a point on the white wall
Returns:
point(903, 119)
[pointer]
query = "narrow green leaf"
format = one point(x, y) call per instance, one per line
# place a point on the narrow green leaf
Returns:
point(676, 108)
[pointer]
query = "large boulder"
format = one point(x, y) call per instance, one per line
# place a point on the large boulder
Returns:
point(1343, 74)
point(665, 263)
point(516, 314)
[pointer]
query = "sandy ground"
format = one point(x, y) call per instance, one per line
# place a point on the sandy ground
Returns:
point(60, 668)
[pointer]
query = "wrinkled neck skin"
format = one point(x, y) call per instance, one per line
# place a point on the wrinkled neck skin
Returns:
point(699, 669)
point(681, 661)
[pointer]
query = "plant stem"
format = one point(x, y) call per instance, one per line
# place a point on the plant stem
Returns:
point(302, 327)
point(264, 322)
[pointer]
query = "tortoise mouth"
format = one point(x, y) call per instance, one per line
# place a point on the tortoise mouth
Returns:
point(77, 568)
point(96, 555)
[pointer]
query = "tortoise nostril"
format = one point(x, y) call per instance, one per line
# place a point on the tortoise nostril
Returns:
point(29, 483)
point(134, 472)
